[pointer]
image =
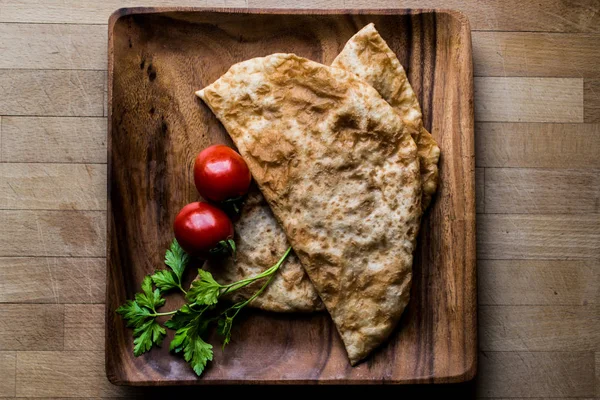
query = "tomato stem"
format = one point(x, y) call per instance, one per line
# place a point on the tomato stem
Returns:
point(233, 206)
point(227, 245)
point(232, 248)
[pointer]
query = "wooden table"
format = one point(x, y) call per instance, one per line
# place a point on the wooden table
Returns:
point(537, 100)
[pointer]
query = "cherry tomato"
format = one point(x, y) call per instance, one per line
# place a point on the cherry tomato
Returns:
point(221, 174)
point(202, 229)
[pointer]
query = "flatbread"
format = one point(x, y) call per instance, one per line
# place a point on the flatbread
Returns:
point(262, 240)
point(260, 243)
point(340, 172)
point(367, 55)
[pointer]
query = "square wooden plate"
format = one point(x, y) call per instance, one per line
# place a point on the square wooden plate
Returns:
point(157, 59)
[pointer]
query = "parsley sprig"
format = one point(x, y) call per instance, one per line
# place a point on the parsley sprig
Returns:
point(192, 322)
point(141, 314)
point(177, 259)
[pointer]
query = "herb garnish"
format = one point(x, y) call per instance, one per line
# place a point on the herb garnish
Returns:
point(192, 322)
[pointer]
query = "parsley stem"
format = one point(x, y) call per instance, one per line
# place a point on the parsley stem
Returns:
point(182, 289)
point(158, 314)
point(258, 293)
point(245, 282)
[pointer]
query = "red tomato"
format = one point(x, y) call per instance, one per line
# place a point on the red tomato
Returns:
point(201, 228)
point(221, 174)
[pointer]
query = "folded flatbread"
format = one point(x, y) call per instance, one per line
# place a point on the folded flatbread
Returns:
point(260, 238)
point(260, 243)
point(339, 169)
point(367, 55)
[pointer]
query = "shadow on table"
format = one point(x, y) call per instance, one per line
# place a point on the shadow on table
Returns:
point(459, 391)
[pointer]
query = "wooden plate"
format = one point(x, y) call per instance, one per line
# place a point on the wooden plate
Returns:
point(157, 59)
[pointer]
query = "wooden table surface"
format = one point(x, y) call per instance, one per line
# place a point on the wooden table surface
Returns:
point(537, 101)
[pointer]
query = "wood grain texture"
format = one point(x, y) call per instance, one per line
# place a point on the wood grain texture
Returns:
point(591, 100)
point(312, 4)
point(523, 283)
point(51, 93)
point(53, 139)
point(536, 54)
point(522, 236)
point(105, 95)
point(537, 145)
point(506, 15)
point(539, 328)
point(84, 327)
point(480, 189)
point(52, 187)
point(31, 326)
point(52, 233)
point(42, 46)
point(8, 365)
point(500, 99)
point(156, 127)
point(542, 191)
point(89, 11)
point(503, 15)
point(64, 373)
point(531, 374)
point(536, 282)
point(52, 280)
point(597, 373)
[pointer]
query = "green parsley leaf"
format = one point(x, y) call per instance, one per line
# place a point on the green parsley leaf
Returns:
point(179, 340)
point(150, 299)
point(205, 290)
point(195, 350)
point(191, 322)
point(182, 317)
point(224, 329)
point(140, 314)
point(198, 353)
point(133, 314)
point(146, 335)
point(165, 280)
point(177, 259)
